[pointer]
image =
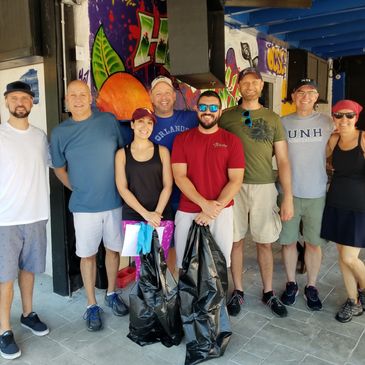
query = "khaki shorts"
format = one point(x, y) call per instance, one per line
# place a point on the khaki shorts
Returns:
point(221, 229)
point(255, 207)
point(91, 228)
point(309, 211)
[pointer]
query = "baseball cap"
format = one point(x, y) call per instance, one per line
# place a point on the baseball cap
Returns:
point(18, 86)
point(305, 82)
point(140, 113)
point(249, 70)
point(159, 79)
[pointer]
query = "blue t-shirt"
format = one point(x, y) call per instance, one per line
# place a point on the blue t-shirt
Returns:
point(88, 149)
point(166, 129)
point(164, 133)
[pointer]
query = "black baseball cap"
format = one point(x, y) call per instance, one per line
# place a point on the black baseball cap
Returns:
point(249, 70)
point(305, 82)
point(19, 86)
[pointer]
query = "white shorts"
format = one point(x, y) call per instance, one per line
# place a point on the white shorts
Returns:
point(221, 229)
point(91, 228)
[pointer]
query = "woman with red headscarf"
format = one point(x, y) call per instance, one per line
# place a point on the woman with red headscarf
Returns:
point(344, 215)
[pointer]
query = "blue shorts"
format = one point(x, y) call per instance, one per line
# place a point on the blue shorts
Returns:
point(22, 247)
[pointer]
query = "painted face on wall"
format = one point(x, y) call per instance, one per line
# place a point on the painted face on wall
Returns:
point(250, 87)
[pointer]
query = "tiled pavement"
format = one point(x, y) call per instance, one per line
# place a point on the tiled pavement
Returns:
point(258, 337)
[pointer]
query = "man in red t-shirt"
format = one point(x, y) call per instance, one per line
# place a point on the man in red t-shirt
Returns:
point(208, 166)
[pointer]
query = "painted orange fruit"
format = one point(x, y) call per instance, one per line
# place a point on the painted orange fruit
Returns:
point(121, 94)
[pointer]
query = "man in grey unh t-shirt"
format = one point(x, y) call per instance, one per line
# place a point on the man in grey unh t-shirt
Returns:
point(307, 133)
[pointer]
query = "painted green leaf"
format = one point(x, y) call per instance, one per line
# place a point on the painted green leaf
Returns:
point(105, 61)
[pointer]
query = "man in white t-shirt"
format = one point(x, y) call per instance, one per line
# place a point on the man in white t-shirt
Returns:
point(24, 202)
point(307, 133)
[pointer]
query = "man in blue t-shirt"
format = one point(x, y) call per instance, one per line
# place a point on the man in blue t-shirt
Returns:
point(83, 149)
point(169, 123)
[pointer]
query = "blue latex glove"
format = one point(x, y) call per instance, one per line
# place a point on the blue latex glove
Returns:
point(144, 238)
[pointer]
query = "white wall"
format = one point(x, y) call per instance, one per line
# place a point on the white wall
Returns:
point(37, 118)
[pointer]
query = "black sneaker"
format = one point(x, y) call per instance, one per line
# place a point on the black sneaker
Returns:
point(290, 293)
point(9, 350)
point(234, 304)
point(33, 323)
point(276, 306)
point(362, 298)
point(348, 310)
point(93, 319)
point(312, 300)
point(115, 302)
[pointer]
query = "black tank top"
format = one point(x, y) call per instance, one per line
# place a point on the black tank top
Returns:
point(145, 182)
point(347, 189)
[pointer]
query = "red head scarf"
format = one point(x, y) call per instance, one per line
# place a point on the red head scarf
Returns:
point(347, 104)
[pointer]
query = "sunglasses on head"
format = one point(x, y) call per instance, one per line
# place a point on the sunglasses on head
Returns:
point(247, 118)
point(213, 108)
point(347, 115)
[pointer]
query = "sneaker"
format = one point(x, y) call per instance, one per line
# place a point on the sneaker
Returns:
point(234, 304)
point(92, 318)
point(33, 323)
point(8, 348)
point(312, 300)
point(362, 298)
point(348, 310)
point(115, 302)
point(290, 293)
point(276, 306)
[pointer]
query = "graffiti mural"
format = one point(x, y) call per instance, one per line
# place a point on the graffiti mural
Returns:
point(128, 49)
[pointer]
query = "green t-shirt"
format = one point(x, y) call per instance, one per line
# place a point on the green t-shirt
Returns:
point(258, 140)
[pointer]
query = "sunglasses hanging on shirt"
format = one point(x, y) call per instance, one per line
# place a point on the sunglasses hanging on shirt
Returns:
point(246, 117)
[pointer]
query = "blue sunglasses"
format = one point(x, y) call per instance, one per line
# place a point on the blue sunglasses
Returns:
point(213, 108)
point(247, 118)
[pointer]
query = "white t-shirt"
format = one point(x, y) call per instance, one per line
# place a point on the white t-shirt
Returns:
point(307, 139)
point(24, 189)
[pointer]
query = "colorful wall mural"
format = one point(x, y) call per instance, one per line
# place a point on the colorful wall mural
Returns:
point(129, 48)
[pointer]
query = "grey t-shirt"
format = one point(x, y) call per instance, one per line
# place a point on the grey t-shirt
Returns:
point(307, 138)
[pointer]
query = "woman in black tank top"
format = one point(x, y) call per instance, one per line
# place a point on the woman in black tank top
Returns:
point(344, 215)
point(144, 179)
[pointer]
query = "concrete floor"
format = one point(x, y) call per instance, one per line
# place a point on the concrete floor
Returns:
point(258, 337)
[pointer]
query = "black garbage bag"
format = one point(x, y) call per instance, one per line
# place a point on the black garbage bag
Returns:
point(202, 289)
point(154, 303)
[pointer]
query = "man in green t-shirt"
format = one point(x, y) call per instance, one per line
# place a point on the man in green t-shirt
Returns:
point(262, 136)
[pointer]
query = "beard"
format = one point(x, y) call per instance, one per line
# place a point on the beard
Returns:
point(211, 124)
point(22, 113)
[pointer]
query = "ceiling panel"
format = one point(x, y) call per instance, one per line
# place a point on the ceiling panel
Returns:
point(329, 28)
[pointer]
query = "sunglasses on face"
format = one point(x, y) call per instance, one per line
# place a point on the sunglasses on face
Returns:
point(247, 118)
point(213, 108)
point(308, 93)
point(347, 115)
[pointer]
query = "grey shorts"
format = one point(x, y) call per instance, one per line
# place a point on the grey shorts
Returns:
point(22, 247)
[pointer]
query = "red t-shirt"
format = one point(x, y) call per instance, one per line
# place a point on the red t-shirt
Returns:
point(208, 158)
